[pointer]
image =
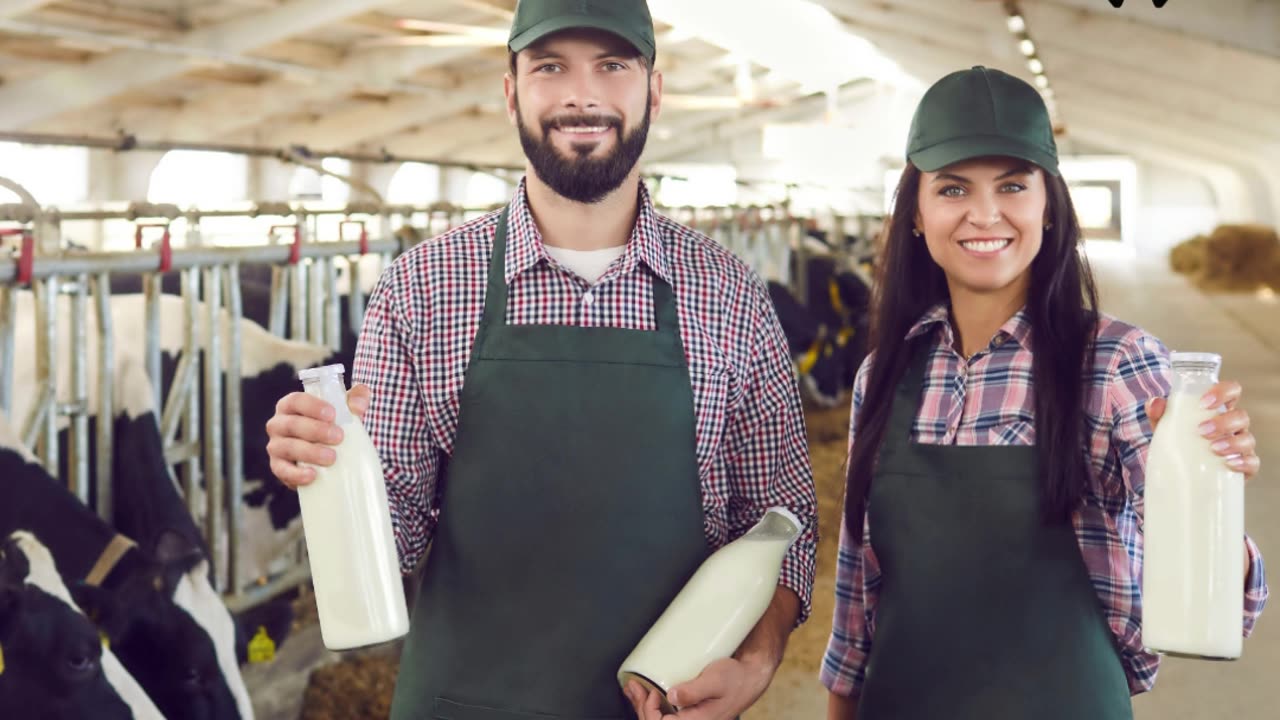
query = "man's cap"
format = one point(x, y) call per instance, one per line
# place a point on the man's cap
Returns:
point(628, 19)
point(979, 112)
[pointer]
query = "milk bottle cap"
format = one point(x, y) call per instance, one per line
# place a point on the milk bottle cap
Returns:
point(1195, 358)
point(321, 373)
point(326, 383)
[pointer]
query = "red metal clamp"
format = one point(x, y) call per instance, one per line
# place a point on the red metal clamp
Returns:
point(364, 233)
point(26, 253)
point(166, 243)
point(295, 252)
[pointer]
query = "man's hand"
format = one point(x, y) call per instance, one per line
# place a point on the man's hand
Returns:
point(303, 431)
point(723, 691)
point(727, 687)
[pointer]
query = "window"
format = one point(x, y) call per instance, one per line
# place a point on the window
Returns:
point(56, 176)
point(307, 184)
point(697, 185)
point(203, 179)
point(484, 189)
point(414, 184)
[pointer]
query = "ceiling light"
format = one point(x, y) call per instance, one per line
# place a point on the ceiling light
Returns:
point(1027, 47)
point(1016, 24)
point(1042, 82)
point(1036, 67)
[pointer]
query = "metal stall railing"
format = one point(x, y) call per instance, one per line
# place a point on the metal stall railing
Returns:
point(303, 306)
point(210, 279)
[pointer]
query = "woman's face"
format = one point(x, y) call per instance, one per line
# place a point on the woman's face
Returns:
point(983, 222)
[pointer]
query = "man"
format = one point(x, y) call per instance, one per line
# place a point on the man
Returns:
point(628, 407)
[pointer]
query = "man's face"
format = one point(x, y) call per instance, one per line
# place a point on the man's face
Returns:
point(582, 101)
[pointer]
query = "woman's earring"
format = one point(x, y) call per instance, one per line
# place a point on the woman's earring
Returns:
point(1048, 226)
point(915, 231)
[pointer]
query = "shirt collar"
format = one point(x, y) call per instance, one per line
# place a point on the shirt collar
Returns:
point(1016, 328)
point(525, 248)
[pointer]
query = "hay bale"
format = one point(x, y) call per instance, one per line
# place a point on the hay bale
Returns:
point(1188, 257)
point(361, 686)
point(1238, 258)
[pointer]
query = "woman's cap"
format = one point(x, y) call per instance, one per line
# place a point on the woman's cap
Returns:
point(981, 112)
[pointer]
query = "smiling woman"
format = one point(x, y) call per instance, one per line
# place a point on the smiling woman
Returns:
point(983, 222)
point(999, 445)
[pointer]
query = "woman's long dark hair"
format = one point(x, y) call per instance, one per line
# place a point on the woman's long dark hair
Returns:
point(1062, 306)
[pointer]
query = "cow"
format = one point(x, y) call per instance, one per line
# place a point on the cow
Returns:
point(53, 666)
point(269, 370)
point(814, 348)
point(179, 624)
point(261, 380)
point(144, 600)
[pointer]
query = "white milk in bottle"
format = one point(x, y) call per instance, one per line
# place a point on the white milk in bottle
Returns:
point(716, 609)
point(1193, 529)
point(347, 524)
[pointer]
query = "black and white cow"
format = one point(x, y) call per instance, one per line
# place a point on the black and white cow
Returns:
point(265, 381)
point(186, 625)
point(813, 346)
point(53, 666)
point(269, 368)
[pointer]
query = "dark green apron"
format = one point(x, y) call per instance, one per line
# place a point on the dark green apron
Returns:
point(571, 516)
point(984, 611)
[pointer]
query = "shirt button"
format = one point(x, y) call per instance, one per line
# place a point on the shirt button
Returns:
point(588, 298)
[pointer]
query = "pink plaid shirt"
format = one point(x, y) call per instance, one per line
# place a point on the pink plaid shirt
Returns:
point(988, 401)
point(422, 319)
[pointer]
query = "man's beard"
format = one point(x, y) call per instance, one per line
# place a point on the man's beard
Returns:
point(583, 179)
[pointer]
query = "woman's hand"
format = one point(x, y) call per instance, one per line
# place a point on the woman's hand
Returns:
point(1228, 433)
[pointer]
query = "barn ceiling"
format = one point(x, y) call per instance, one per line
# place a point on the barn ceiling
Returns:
point(1193, 86)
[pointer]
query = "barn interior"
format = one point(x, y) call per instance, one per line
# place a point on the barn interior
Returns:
point(254, 166)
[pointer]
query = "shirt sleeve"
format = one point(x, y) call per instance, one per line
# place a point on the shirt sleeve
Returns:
point(397, 419)
point(857, 590)
point(766, 458)
point(1144, 371)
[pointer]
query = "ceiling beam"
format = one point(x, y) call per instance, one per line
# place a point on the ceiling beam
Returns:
point(1071, 43)
point(219, 113)
point(1234, 201)
point(361, 122)
point(697, 135)
point(1251, 26)
point(14, 8)
point(1159, 55)
point(35, 99)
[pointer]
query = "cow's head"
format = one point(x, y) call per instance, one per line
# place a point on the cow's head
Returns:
point(50, 655)
point(161, 644)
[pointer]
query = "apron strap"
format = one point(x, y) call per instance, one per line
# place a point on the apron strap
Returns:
point(906, 400)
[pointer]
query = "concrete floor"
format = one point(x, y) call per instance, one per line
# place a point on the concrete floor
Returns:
point(1245, 330)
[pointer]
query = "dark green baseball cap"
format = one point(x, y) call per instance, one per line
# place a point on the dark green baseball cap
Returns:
point(980, 112)
point(628, 19)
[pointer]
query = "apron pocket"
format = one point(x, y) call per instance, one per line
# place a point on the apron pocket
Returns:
point(445, 709)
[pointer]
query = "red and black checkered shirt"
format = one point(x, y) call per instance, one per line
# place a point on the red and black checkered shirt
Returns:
point(422, 319)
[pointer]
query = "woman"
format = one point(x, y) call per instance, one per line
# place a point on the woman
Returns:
point(999, 508)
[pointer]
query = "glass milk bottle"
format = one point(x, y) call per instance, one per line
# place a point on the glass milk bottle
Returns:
point(1193, 568)
point(347, 524)
point(716, 609)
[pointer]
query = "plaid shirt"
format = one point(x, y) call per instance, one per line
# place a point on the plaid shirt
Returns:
point(989, 401)
point(422, 319)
